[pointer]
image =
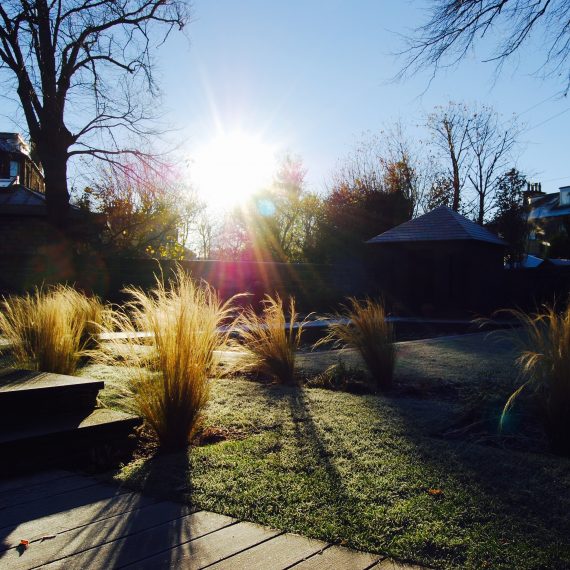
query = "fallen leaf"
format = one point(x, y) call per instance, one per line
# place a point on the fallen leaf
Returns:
point(435, 492)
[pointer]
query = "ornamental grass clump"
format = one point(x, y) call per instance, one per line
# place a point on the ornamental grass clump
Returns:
point(167, 373)
point(271, 339)
point(50, 329)
point(544, 361)
point(362, 325)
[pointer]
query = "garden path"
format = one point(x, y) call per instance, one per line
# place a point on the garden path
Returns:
point(60, 519)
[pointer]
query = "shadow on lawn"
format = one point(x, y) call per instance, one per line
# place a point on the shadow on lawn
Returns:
point(524, 496)
point(311, 450)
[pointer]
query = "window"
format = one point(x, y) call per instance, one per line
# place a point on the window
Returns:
point(14, 168)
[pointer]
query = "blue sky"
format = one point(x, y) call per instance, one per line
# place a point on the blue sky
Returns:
point(313, 75)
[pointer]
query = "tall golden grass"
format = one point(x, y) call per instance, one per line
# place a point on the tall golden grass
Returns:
point(271, 339)
point(167, 375)
point(362, 325)
point(50, 329)
point(544, 360)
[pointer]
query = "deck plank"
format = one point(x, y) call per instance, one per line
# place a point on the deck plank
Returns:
point(134, 548)
point(92, 535)
point(17, 482)
point(65, 512)
point(209, 549)
point(33, 492)
point(72, 521)
point(338, 558)
point(278, 553)
point(20, 380)
point(60, 503)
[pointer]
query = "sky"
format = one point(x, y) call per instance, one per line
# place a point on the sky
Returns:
point(313, 75)
point(309, 77)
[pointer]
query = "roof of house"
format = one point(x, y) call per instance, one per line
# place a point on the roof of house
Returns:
point(13, 142)
point(548, 206)
point(441, 224)
point(527, 262)
point(17, 199)
point(558, 262)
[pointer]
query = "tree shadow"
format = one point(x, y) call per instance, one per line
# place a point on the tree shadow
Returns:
point(525, 496)
point(100, 524)
point(316, 459)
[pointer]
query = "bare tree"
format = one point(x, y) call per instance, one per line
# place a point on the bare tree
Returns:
point(390, 161)
point(77, 67)
point(490, 146)
point(457, 25)
point(408, 166)
point(206, 230)
point(450, 128)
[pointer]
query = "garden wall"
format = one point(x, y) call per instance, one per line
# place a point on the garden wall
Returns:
point(529, 288)
point(316, 287)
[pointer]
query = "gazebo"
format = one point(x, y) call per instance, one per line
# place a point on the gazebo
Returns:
point(439, 263)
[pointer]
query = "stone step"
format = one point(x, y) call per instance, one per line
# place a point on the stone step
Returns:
point(28, 396)
point(64, 439)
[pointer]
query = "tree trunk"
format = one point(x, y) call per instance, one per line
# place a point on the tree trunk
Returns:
point(481, 209)
point(52, 151)
point(456, 185)
point(57, 195)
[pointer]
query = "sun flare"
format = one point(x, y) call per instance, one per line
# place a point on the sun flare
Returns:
point(231, 167)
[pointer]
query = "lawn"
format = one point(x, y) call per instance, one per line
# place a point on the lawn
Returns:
point(374, 472)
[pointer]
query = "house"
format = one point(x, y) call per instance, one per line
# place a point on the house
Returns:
point(16, 164)
point(440, 263)
point(32, 251)
point(549, 221)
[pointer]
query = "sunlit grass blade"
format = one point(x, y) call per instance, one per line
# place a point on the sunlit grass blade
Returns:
point(167, 375)
point(271, 339)
point(544, 361)
point(362, 325)
point(50, 329)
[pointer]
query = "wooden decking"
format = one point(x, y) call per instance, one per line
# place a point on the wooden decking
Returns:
point(73, 521)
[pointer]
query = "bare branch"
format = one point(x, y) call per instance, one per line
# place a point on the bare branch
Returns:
point(456, 26)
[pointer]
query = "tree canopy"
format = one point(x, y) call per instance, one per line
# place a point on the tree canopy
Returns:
point(78, 68)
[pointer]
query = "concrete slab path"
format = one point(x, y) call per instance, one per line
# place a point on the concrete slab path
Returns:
point(60, 519)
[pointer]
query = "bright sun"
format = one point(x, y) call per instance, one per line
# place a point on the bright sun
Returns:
point(231, 167)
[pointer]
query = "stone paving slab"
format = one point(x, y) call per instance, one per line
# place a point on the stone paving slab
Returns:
point(73, 522)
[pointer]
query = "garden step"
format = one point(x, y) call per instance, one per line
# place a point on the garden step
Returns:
point(28, 395)
point(65, 438)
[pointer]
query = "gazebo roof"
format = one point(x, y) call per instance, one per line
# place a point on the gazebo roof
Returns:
point(441, 224)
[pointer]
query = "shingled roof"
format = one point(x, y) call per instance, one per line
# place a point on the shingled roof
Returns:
point(441, 224)
point(17, 199)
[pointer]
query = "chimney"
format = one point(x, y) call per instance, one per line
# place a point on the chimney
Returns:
point(533, 192)
point(564, 199)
